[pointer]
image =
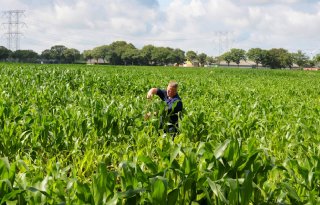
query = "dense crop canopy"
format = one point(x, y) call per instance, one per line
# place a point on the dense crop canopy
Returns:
point(77, 135)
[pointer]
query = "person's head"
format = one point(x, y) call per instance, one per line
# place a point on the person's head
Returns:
point(172, 89)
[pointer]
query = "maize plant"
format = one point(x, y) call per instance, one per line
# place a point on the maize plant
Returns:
point(76, 134)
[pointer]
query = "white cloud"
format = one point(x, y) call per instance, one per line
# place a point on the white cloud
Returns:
point(185, 24)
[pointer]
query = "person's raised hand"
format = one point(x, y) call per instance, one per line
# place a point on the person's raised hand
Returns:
point(150, 94)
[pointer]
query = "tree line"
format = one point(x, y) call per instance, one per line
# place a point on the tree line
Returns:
point(56, 54)
point(123, 53)
point(273, 58)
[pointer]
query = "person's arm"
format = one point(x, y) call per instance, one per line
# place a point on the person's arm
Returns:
point(152, 92)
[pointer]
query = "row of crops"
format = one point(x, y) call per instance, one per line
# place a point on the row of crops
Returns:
point(76, 134)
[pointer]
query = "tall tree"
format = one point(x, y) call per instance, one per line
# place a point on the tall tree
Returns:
point(71, 55)
point(278, 58)
point(202, 58)
point(191, 56)
point(179, 56)
point(146, 54)
point(87, 54)
point(210, 60)
point(160, 55)
point(46, 54)
point(227, 56)
point(117, 48)
point(100, 52)
point(4, 53)
point(57, 52)
point(316, 60)
point(25, 55)
point(170, 56)
point(256, 55)
point(130, 56)
point(300, 58)
point(237, 55)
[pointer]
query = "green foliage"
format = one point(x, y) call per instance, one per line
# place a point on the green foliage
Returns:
point(25, 55)
point(316, 59)
point(202, 58)
point(257, 55)
point(278, 58)
point(4, 53)
point(300, 58)
point(60, 54)
point(77, 135)
point(71, 55)
point(237, 55)
point(227, 56)
point(191, 55)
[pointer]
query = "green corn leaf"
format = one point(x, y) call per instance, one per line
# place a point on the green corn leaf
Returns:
point(13, 195)
point(113, 201)
point(247, 189)
point(248, 162)
point(159, 192)
point(174, 154)
point(220, 150)
point(130, 193)
point(173, 197)
point(291, 192)
point(84, 193)
point(216, 189)
point(149, 163)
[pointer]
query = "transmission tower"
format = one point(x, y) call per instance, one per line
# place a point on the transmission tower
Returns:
point(224, 39)
point(13, 26)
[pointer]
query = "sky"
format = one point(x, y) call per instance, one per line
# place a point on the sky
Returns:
point(204, 26)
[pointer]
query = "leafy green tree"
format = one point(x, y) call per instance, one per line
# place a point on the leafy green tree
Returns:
point(300, 58)
point(202, 58)
point(210, 60)
point(4, 53)
point(167, 56)
point(191, 56)
point(60, 54)
point(71, 55)
point(146, 54)
point(116, 50)
point(57, 53)
point(227, 56)
point(316, 59)
point(237, 55)
point(130, 56)
point(311, 63)
point(46, 54)
point(170, 57)
point(25, 55)
point(100, 52)
point(287, 59)
point(278, 58)
point(87, 54)
point(160, 55)
point(257, 55)
point(179, 56)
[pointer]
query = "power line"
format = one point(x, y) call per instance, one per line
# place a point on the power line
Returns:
point(13, 25)
point(224, 39)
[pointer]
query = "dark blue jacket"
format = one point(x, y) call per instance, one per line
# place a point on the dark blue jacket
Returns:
point(174, 105)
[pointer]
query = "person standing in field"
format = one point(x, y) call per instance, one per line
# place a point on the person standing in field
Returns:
point(174, 105)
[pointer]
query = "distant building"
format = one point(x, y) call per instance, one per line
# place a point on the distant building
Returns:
point(96, 61)
point(242, 64)
point(191, 64)
point(311, 68)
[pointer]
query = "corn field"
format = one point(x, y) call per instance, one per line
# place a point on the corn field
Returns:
point(76, 134)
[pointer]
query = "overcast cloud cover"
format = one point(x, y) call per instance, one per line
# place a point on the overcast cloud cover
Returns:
point(186, 24)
